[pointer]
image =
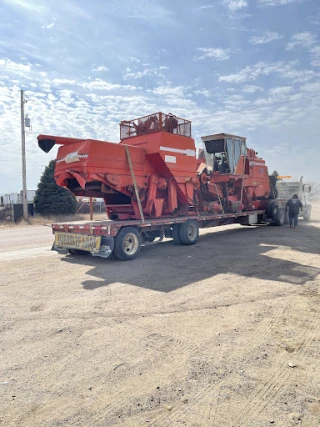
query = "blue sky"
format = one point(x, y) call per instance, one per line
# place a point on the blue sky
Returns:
point(87, 65)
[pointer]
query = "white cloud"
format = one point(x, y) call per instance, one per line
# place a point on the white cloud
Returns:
point(213, 53)
point(236, 102)
point(314, 19)
point(49, 26)
point(175, 91)
point(100, 68)
point(311, 87)
point(64, 81)
point(278, 2)
point(14, 66)
point(280, 91)
point(143, 10)
point(103, 85)
point(305, 39)
point(138, 74)
point(30, 6)
point(284, 70)
point(265, 38)
point(135, 73)
point(205, 7)
point(252, 89)
point(234, 5)
point(315, 56)
point(204, 92)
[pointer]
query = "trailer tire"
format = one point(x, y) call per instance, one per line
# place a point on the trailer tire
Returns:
point(176, 235)
point(272, 209)
point(307, 215)
point(286, 217)
point(189, 232)
point(127, 244)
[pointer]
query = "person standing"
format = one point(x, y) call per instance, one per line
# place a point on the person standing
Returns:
point(293, 205)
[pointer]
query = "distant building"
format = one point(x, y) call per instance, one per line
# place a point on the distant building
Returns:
point(31, 194)
point(16, 198)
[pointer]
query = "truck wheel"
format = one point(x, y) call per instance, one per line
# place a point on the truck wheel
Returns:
point(286, 217)
point(176, 235)
point(307, 215)
point(272, 209)
point(279, 217)
point(189, 232)
point(127, 244)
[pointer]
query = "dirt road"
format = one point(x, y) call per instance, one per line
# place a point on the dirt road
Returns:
point(223, 333)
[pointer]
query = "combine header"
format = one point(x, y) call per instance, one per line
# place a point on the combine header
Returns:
point(154, 186)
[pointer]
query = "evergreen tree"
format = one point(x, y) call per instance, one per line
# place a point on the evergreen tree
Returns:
point(51, 199)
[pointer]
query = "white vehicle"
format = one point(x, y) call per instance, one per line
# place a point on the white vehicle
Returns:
point(287, 188)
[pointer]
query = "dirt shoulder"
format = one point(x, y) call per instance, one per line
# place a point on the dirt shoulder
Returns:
point(223, 333)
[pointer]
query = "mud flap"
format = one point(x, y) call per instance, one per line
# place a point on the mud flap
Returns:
point(60, 249)
point(106, 247)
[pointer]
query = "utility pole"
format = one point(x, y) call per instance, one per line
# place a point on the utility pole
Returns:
point(24, 164)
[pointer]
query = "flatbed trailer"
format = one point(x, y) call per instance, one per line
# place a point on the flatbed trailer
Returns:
point(123, 238)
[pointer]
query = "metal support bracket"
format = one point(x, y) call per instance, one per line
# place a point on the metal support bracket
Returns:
point(135, 184)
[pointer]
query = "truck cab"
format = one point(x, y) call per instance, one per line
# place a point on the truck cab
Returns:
point(287, 188)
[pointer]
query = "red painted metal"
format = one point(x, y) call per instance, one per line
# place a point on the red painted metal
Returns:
point(171, 181)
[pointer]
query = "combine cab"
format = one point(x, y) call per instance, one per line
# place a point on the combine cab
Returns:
point(232, 177)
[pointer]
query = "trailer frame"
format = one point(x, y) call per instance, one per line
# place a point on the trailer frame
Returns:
point(99, 237)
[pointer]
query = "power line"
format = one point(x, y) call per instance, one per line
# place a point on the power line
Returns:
point(267, 105)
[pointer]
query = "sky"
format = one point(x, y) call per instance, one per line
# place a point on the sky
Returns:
point(247, 67)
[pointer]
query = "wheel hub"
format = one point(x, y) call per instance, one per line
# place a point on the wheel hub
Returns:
point(130, 243)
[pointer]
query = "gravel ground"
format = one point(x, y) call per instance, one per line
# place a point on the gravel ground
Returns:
point(223, 333)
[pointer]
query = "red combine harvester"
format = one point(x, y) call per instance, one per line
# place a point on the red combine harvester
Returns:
point(154, 186)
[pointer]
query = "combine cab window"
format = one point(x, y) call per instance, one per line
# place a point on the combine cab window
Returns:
point(230, 152)
point(223, 152)
point(237, 152)
point(243, 148)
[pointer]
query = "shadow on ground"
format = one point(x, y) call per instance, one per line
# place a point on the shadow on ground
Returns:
point(241, 251)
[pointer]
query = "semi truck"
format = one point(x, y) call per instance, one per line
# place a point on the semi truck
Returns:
point(286, 188)
point(155, 187)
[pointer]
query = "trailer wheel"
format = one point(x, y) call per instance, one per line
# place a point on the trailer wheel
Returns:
point(307, 215)
point(286, 217)
point(176, 235)
point(272, 209)
point(127, 244)
point(189, 232)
